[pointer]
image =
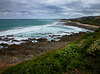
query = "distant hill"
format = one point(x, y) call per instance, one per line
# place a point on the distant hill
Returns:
point(93, 20)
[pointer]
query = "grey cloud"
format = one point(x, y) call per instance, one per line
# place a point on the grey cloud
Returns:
point(55, 8)
point(94, 8)
point(42, 9)
point(79, 7)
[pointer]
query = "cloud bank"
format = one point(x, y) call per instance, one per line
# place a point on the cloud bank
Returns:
point(48, 9)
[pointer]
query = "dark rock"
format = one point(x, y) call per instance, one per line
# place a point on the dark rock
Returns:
point(7, 39)
point(41, 39)
point(9, 35)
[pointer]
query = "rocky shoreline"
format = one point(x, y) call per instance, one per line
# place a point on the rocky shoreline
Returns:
point(16, 53)
point(13, 54)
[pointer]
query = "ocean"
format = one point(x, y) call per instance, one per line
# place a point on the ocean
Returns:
point(23, 29)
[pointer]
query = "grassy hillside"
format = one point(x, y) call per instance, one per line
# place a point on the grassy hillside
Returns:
point(93, 20)
point(81, 56)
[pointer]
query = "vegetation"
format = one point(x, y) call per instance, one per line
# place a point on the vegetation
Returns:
point(93, 20)
point(80, 56)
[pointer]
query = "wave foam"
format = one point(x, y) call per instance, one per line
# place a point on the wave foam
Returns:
point(40, 31)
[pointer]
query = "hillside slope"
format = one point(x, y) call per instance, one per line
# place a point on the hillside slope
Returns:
point(93, 20)
point(81, 56)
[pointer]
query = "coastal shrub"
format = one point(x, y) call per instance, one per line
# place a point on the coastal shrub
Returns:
point(73, 64)
point(49, 63)
point(75, 56)
point(79, 64)
point(94, 48)
point(94, 35)
point(68, 51)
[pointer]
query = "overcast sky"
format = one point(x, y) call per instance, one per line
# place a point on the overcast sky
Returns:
point(48, 9)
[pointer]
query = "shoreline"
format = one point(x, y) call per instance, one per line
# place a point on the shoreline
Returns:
point(15, 54)
point(80, 25)
point(18, 53)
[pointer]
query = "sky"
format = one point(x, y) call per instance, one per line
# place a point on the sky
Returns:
point(48, 9)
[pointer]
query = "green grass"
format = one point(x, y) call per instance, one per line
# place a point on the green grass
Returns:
point(94, 20)
point(80, 56)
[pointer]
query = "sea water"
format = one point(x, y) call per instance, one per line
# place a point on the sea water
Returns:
point(23, 29)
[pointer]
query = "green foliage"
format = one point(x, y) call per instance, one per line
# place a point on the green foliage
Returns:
point(94, 48)
point(69, 50)
point(88, 20)
point(76, 55)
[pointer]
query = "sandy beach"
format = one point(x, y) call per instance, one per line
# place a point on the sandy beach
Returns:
point(81, 25)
